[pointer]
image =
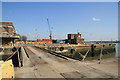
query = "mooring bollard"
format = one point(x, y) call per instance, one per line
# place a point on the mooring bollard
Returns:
point(98, 61)
point(72, 51)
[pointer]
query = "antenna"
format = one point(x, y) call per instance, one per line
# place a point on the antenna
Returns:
point(83, 35)
point(77, 30)
point(10, 19)
point(111, 40)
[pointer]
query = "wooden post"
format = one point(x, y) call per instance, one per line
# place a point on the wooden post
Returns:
point(92, 50)
point(101, 54)
point(19, 58)
point(84, 56)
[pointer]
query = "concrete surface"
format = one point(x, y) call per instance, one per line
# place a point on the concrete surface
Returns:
point(45, 65)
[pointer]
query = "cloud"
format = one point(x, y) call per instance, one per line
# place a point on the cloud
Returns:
point(95, 19)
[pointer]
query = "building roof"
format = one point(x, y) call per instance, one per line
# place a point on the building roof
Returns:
point(8, 24)
point(5, 24)
point(73, 34)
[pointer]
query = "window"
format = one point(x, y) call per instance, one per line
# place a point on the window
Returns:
point(75, 37)
point(80, 40)
point(5, 29)
point(14, 31)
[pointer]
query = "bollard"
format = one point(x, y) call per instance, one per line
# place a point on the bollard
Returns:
point(72, 51)
point(61, 48)
point(6, 69)
point(98, 61)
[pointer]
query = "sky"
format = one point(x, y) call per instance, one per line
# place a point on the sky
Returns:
point(94, 20)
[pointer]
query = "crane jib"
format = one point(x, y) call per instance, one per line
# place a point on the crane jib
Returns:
point(49, 26)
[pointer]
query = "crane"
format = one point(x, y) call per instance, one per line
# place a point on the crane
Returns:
point(37, 35)
point(50, 31)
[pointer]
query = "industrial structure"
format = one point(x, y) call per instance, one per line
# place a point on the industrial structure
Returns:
point(45, 41)
point(10, 54)
point(8, 33)
point(50, 30)
point(75, 39)
point(72, 38)
point(7, 49)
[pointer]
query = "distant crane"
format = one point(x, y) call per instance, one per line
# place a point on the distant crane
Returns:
point(50, 30)
point(36, 30)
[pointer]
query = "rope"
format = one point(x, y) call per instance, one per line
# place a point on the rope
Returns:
point(10, 56)
point(106, 51)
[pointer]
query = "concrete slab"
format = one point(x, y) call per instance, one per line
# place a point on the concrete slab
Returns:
point(53, 68)
point(74, 74)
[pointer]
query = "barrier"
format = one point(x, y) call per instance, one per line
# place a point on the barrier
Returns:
point(117, 50)
point(6, 69)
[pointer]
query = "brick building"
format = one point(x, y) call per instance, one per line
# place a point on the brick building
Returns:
point(75, 39)
point(7, 28)
point(8, 33)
